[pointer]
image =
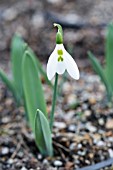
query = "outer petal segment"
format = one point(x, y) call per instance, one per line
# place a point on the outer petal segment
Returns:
point(71, 66)
point(51, 65)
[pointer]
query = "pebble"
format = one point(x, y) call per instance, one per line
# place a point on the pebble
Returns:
point(96, 137)
point(81, 153)
point(23, 168)
point(90, 127)
point(79, 146)
point(72, 128)
point(38, 21)
point(60, 125)
point(100, 143)
point(69, 115)
point(92, 100)
point(72, 146)
point(109, 124)
point(87, 113)
point(10, 14)
point(110, 139)
point(110, 152)
point(45, 162)
point(58, 163)
point(101, 121)
point(71, 99)
point(84, 106)
point(39, 156)
point(5, 119)
point(5, 151)
point(10, 161)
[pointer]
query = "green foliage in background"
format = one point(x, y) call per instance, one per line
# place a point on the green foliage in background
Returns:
point(18, 47)
point(15, 85)
point(105, 72)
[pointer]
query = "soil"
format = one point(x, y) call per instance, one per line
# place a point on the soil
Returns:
point(83, 127)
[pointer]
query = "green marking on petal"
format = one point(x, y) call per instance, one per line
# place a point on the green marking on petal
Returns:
point(60, 52)
point(60, 58)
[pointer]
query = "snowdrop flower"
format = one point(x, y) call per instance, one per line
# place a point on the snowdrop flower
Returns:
point(60, 60)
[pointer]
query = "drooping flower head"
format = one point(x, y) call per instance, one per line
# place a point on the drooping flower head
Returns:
point(60, 60)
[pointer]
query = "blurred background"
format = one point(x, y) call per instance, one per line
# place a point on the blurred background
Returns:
point(84, 23)
point(87, 127)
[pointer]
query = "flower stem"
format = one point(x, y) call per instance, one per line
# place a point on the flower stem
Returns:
point(53, 102)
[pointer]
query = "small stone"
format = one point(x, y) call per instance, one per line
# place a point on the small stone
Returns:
point(72, 146)
point(101, 121)
point(81, 153)
point(96, 138)
point(92, 100)
point(71, 99)
point(38, 20)
point(79, 146)
point(45, 162)
point(18, 165)
point(87, 113)
point(91, 128)
point(87, 162)
point(10, 14)
point(20, 154)
point(110, 152)
point(5, 119)
point(110, 139)
point(72, 128)
point(66, 88)
point(84, 106)
point(109, 124)
point(60, 125)
point(39, 156)
point(9, 102)
point(5, 151)
point(100, 143)
point(23, 168)
point(10, 161)
point(58, 163)
point(91, 155)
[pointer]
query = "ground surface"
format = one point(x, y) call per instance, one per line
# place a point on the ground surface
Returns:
point(82, 134)
point(83, 128)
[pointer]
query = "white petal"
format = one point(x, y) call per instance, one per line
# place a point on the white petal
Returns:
point(60, 68)
point(51, 65)
point(71, 66)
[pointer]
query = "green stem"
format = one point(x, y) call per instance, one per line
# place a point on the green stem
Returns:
point(53, 102)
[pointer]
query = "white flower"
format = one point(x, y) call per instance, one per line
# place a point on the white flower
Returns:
point(59, 61)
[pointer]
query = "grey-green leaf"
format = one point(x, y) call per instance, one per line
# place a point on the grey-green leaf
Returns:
point(17, 52)
point(43, 134)
point(32, 87)
point(99, 70)
point(109, 55)
point(39, 65)
point(9, 84)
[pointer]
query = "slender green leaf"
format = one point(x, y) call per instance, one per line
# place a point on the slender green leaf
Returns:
point(41, 68)
point(17, 52)
point(99, 70)
point(33, 93)
point(109, 55)
point(43, 134)
point(10, 85)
